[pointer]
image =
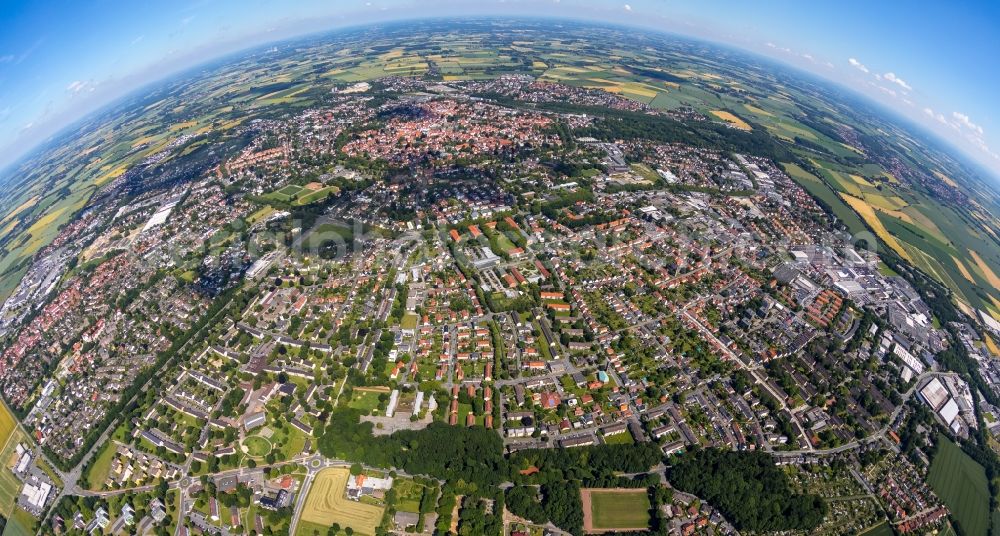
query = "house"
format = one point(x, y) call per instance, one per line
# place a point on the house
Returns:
point(157, 511)
point(549, 399)
point(404, 520)
point(367, 485)
point(273, 502)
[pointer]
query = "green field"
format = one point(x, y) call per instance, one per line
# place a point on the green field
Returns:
point(619, 439)
point(408, 495)
point(20, 523)
point(961, 484)
point(409, 321)
point(365, 400)
point(98, 470)
point(326, 505)
point(882, 529)
point(257, 446)
point(619, 509)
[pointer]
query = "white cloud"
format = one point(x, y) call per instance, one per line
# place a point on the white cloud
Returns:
point(627, 7)
point(964, 121)
point(80, 86)
point(886, 90)
point(896, 80)
point(937, 116)
point(964, 127)
point(6, 58)
point(857, 65)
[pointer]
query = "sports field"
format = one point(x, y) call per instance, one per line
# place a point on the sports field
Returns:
point(961, 484)
point(326, 504)
point(606, 510)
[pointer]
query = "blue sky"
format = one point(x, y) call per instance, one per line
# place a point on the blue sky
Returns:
point(935, 62)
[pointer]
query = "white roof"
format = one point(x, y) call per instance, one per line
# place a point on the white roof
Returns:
point(949, 411)
point(934, 394)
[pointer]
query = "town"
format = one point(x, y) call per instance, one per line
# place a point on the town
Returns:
point(421, 256)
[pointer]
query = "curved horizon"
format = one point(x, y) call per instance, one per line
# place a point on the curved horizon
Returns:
point(97, 96)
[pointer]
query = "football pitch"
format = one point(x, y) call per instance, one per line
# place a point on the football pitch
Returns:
point(615, 509)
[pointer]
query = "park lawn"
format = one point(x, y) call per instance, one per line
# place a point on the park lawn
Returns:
point(98, 471)
point(257, 446)
point(289, 440)
point(961, 484)
point(614, 509)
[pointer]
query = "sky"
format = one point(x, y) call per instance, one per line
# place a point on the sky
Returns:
point(933, 62)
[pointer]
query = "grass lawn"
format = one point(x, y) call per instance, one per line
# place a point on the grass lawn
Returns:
point(44, 466)
point(620, 509)
point(505, 244)
point(289, 440)
point(623, 438)
point(10, 486)
point(646, 172)
point(408, 495)
point(257, 446)
point(885, 270)
point(961, 484)
point(98, 471)
point(409, 321)
point(365, 401)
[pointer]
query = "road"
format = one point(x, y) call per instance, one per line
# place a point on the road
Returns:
point(736, 357)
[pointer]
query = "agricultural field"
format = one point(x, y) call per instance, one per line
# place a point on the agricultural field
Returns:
point(20, 523)
point(732, 119)
point(10, 486)
point(914, 226)
point(961, 484)
point(326, 504)
point(606, 510)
